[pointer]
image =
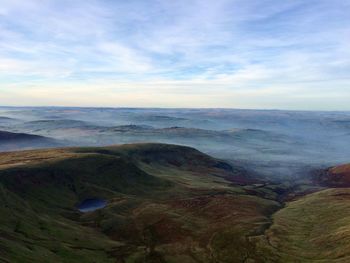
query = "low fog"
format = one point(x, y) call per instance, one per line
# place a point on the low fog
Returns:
point(271, 143)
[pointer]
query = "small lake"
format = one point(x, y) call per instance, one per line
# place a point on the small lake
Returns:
point(92, 204)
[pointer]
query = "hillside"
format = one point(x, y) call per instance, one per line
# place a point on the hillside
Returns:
point(158, 156)
point(165, 203)
point(4, 120)
point(337, 176)
point(17, 141)
point(8, 136)
point(313, 228)
point(161, 203)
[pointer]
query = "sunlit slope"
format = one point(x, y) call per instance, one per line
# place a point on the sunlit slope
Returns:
point(166, 203)
point(39, 192)
point(337, 176)
point(314, 228)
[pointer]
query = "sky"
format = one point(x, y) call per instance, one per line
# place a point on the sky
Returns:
point(261, 54)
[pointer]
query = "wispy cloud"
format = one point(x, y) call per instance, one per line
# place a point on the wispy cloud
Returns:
point(230, 53)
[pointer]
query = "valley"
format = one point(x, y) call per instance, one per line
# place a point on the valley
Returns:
point(164, 203)
point(174, 131)
point(156, 185)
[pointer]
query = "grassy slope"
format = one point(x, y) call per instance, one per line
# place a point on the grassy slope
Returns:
point(28, 234)
point(338, 176)
point(165, 203)
point(313, 228)
point(38, 200)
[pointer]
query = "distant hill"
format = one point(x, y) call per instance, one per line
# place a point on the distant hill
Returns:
point(8, 136)
point(53, 124)
point(237, 136)
point(337, 176)
point(17, 141)
point(2, 118)
point(7, 120)
point(178, 157)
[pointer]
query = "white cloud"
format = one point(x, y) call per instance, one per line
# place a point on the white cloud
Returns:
point(199, 49)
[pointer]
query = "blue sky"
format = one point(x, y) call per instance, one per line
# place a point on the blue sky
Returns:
point(186, 53)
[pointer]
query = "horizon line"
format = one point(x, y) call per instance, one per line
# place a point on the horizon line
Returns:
point(172, 108)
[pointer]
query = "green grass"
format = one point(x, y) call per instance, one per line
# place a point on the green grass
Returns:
point(314, 228)
point(166, 203)
point(38, 215)
point(28, 235)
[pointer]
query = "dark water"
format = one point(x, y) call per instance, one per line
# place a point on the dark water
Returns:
point(92, 204)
